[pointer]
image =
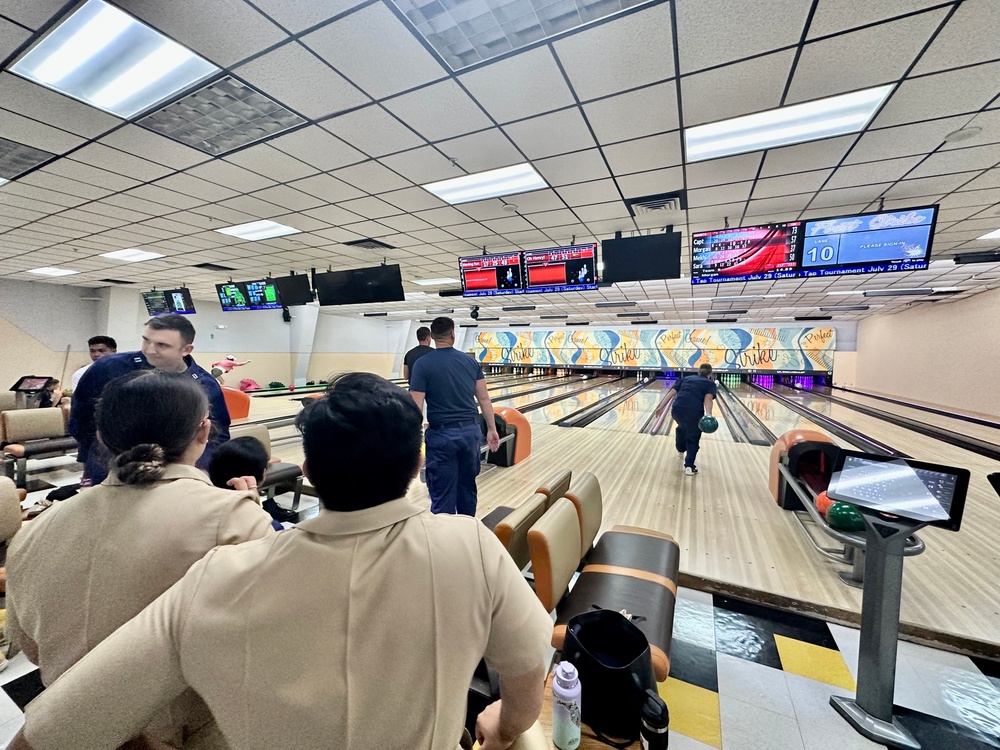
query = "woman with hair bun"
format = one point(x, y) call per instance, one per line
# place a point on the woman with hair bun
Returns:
point(90, 564)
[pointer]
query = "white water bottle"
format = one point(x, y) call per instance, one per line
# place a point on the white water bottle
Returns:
point(566, 707)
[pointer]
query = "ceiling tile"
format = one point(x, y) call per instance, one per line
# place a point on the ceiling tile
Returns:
point(422, 165)
point(603, 212)
point(334, 215)
point(872, 56)
point(724, 170)
point(482, 210)
point(422, 110)
point(904, 140)
point(802, 182)
point(538, 200)
point(404, 222)
point(787, 206)
point(149, 145)
point(318, 148)
point(242, 208)
point(413, 199)
point(644, 153)
point(478, 152)
point(63, 185)
point(509, 224)
point(89, 174)
point(288, 197)
point(964, 40)
point(629, 51)
point(196, 187)
point(599, 191)
point(297, 17)
point(647, 111)
point(738, 191)
point(45, 105)
point(294, 77)
point(832, 16)
point(328, 188)
point(711, 34)
point(36, 134)
point(653, 182)
point(270, 162)
point(34, 14)
point(158, 194)
point(888, 170)
point(929, 186)
point(112, 159)
point(548, 135)
point(558, 218)
point(848, 196)
point(569, 168)
point(519, 86)
point(371, 177)
point(376, 52)
point(806, 156)
point(958, 160)
point(735, 90)
point(940, 95)
point(374, 131)
point(445, 217)
point(228, 175)
point(197, 25)
point(370, 208)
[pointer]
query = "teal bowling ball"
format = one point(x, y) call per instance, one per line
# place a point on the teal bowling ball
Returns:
point(708, 424)
point(845, 517)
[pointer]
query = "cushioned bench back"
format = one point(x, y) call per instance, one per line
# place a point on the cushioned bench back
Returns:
point(32, 424)
point(258, 431)
point(512, 531)
point(555, 551)
point(10, 509)
point(585, 495)
point(556, 486)
point(8, 400)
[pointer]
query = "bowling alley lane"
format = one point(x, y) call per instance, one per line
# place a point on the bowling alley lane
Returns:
point(631, 414)
point(516, 387)
point(565, 407)
point(777, 417)
point(980, 432)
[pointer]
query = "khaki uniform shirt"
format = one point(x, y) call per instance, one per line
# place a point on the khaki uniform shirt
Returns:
point(353, 630)
point(89, 564)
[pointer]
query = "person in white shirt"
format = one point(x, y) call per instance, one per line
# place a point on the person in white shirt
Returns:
point(99, 346)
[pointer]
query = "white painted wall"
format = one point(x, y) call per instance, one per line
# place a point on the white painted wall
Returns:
point(53, 314)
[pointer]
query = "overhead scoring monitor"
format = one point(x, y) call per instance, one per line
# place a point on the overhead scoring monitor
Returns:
point(561, 269)
point(490, 275)
point(758, 253)
point(914, 490)
point(169, 301)
point(868, 243)
point(249, 295)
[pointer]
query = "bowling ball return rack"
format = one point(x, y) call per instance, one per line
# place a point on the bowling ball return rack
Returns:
point(794, 494)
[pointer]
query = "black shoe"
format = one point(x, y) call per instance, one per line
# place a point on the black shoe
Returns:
point(282, 515)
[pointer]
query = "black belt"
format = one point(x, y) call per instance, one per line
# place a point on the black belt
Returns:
point(454, 425)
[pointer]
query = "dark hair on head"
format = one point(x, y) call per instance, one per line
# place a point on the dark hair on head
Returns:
point(423, 333)
point(106, 340)
point(147, 419)
point(239, 457)
point(442, 328)
point(172, 322)
point(362, 441)
point(705, 369)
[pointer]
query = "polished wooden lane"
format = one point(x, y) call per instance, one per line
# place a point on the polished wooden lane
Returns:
point(734, 538)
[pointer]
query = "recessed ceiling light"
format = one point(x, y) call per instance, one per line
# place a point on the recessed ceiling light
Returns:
point(991, 236)
point(434, 282)
point(49, 271)
point(823, 118)
point(840, 294)
point(258, 230)
point(131, 255)
point(104, 57)
point(520, 178)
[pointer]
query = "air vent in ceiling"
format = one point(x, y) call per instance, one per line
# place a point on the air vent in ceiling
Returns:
point(369, 244)
point(116, 281)
point(16, 158)
point(221, 117)
point(662, 204)
point(213, 267)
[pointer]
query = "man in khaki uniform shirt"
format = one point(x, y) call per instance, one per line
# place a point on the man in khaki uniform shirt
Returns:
point(360, 628)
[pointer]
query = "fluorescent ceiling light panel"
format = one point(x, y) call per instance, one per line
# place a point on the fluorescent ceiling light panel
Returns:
point(520, 178)
point(49, 271)
point(3, 181)
point(841, 294)
point(434, 282)
point(131, 255)
point(108, 59)
point(811, 121)
point(991, 236)
point(258, 230)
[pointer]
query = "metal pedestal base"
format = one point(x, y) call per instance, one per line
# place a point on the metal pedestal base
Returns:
point(884, 732)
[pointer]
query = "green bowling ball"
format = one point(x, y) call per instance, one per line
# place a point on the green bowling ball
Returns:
point(845, 517)
point(708, 424)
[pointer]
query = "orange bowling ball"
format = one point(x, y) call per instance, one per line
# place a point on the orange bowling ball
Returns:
point(823, 503)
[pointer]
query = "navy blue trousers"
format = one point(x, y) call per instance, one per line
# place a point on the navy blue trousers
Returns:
point(687, 434)
point(452, 463)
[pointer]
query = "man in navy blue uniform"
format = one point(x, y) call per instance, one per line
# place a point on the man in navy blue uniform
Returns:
point(452, 381)
point(167, 343)
point(693, 399)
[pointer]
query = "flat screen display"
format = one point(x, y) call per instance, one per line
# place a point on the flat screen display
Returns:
point(294, 290)
point(561, 269)
point(179, 301)
point(31, 383)
point(909, 489)
point(745, 253)
point(490, 275)
point(359, 286)
point(647, 257)
point(156, 302)
point(868, 243)
point(248, 295)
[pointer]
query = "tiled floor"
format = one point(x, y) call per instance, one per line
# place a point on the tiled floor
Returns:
point(743, 677)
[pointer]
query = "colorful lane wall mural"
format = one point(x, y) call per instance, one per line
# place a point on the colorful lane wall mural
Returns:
point(773, 349)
